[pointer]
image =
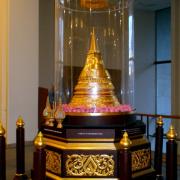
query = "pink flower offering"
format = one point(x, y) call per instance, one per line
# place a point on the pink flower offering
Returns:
point(82, 109)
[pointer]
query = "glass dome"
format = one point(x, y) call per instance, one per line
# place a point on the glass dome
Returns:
point(94, 54)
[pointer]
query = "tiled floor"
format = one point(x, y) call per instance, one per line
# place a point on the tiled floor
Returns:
point(11, 161)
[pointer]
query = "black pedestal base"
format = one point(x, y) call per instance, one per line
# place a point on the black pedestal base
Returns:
point(20, 177)
point(79, 151)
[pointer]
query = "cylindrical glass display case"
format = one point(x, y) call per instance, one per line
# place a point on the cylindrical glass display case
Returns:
point(94, 92)
point(94, 55)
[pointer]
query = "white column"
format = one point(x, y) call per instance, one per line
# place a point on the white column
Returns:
point(23, 66)
point(19, 57)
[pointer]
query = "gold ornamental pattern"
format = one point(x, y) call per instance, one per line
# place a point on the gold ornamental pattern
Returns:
point(90, 165)
point(53, 162)
point(140, 159)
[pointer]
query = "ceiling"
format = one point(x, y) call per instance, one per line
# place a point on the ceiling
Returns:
point(152, 5)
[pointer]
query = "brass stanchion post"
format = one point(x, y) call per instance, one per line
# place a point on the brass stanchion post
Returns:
point(158, 148)
point(125, 158)
point(39, 161)
point(20, 151)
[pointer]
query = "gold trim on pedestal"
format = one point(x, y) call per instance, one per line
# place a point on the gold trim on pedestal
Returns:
point(82, 139)
point(81, 146)
point(50, 175)
point(88, 144)
point(140, 140)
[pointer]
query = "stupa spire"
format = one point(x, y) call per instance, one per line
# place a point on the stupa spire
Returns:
point(93, 44)
point(94, 87)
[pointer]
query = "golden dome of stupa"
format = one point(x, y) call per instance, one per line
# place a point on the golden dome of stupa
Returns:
point(94, 87)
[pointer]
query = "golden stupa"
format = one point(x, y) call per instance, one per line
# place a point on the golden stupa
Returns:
point(94, 87)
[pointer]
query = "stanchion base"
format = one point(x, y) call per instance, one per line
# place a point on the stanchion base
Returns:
point(20, 177)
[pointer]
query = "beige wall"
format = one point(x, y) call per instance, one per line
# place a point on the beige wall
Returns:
point(20, 18)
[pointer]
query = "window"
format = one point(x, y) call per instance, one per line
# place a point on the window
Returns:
point(163, 61)
point(163, 65)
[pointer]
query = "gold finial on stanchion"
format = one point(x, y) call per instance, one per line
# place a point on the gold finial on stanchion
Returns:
point(2, 130)
point(20, 122)
point(159, 121)
point(125, 142)
point(171, 134)
point(39, 141)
